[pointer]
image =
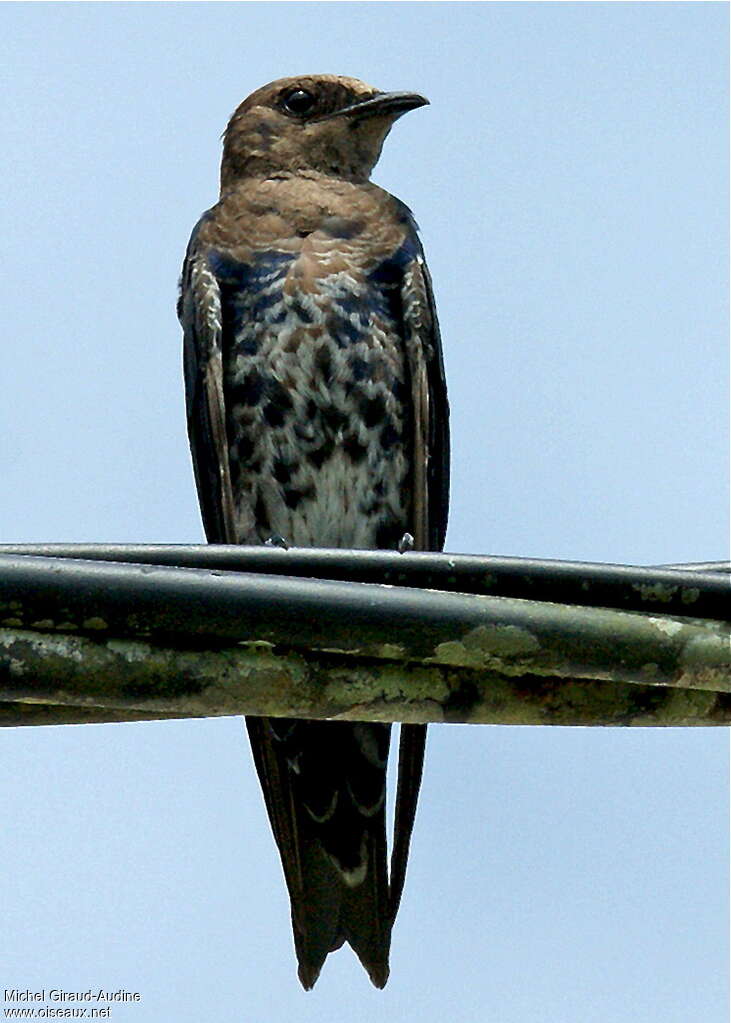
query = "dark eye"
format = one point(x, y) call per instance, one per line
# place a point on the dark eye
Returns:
point(298, 101)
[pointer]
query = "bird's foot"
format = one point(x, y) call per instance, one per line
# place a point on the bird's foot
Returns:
point(406, 543)
point(276, 540)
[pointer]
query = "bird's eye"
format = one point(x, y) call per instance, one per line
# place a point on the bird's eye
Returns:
point(298, 101)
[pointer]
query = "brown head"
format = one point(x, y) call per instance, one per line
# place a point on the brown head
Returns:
point(323, 123)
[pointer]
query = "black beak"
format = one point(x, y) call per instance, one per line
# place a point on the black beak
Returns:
point(383, 104)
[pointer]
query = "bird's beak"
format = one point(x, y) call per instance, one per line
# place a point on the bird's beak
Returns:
point(383, 104)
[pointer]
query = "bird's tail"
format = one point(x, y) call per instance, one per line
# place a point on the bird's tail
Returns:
point(330, 912)
point(324, 787)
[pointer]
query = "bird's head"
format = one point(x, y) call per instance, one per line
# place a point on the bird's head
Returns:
point(323, 123)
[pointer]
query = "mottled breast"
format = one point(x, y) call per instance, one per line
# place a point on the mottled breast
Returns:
point(315, 373)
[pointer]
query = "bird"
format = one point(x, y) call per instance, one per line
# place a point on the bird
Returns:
point(317, 416)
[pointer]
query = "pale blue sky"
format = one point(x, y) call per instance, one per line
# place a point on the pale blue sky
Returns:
point(570, 180)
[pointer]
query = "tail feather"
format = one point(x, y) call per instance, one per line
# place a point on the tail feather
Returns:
point(316, 914)
point(364, 910)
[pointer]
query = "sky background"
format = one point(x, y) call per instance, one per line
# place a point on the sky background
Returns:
point(570, 180)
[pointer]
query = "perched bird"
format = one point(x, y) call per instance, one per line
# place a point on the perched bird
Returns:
point(317, 416)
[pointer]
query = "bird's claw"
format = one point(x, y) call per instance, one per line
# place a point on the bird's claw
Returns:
point(406, 543)
point(276, 540)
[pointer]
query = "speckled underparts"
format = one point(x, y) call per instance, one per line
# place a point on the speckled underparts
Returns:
point(315, 384)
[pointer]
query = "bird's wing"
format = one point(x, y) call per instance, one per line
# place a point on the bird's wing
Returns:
point(430, 486)
point(199, 311)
